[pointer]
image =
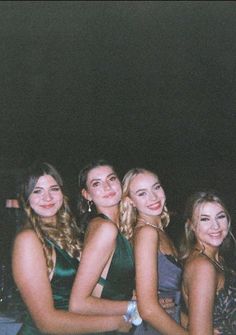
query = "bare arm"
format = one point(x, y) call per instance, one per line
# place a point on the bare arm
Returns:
point(145, 248)
point(99, 247)
point(200, 282)
point(30, 274)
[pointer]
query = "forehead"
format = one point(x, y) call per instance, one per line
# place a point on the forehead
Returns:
point(143, 180)
point(209, 208)
point(99, 172)
point(46, 181)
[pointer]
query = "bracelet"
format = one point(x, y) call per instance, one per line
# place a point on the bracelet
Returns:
point(132, 314)
point(132, 305)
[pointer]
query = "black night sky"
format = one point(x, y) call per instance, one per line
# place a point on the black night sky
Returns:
point(140, 83)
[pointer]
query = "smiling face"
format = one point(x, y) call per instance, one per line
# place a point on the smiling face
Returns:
point(103, 187)
point(210, 224)
point(46, 198)
point(146, 194)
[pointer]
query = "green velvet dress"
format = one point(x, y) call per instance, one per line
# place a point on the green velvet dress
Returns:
point(61, 283)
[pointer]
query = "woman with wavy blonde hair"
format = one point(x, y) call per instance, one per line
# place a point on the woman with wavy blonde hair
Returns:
point(209, 284)
point(46, 257)
point(158, 271)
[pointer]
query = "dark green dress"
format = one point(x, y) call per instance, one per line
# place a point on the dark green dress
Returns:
point(61, 283)
point(119, 283)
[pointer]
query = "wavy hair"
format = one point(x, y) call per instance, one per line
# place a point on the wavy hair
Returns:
point(129, 214)
point(194, 202)
point(65, 233)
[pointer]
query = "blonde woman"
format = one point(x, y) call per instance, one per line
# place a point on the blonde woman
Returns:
point(209, 287)
point(45, 259)
point(158, 270)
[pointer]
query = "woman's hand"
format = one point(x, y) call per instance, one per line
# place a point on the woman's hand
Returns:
point(167, 303)
point(125, 326)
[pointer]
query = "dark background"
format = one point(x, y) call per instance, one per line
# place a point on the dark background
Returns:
point(140, 83)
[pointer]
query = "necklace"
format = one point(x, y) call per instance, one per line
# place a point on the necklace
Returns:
point(172, 254)
point(152, 225)
point(214, 261)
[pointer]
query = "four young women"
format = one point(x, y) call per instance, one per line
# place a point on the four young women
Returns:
point(103, 293)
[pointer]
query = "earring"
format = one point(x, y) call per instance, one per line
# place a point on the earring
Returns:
point(89, 206)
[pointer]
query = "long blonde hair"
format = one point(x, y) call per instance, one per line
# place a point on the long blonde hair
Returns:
point(193, 203)
point(129, 214)
point(65, 232)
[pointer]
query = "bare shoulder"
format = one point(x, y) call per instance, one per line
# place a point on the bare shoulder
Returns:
point(26, 236)
point(28, 257)
point(146, 231)
point(199, 268)
point(27, 246)
point(146, 237)
point(102, 229)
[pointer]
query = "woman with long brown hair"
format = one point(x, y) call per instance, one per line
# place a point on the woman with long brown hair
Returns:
point(46, 256)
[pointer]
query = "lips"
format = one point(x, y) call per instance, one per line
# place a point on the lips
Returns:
point(155, 206)
point(47, 206)
point(110, 195)
point(216, 235)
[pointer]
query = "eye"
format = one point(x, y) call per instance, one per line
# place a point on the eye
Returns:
point(113, 178)
point(204, 219)
point(157, 187)
point(95, 184)
point(221, 216)
point(141, 194)
point(37, 191)
point(55, 188)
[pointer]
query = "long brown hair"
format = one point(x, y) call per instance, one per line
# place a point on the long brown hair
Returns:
point(65, 233)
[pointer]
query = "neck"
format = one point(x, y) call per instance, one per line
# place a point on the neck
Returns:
point(52, 220)
point(112, 213)
point(154, 220)
point(212, 252)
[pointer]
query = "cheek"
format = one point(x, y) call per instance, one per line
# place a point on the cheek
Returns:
point(60, 200)
point(119, 190)
point(138, 204)
point(199, 230)
point(33, 201)
point(226, 228)
point(162, 195)
point(93, 193)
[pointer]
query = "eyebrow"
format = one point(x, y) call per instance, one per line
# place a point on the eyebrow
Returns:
point(109, 175)
point(208, 215)
point(41, 188)
point(140, 190)
point(144, 189)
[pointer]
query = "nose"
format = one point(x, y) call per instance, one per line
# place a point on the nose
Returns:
point(47, 196)
point(153, 196)
point(106, 185)
point(215, 223)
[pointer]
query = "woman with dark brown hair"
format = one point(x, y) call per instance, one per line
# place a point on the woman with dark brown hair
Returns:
point(46, 257)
